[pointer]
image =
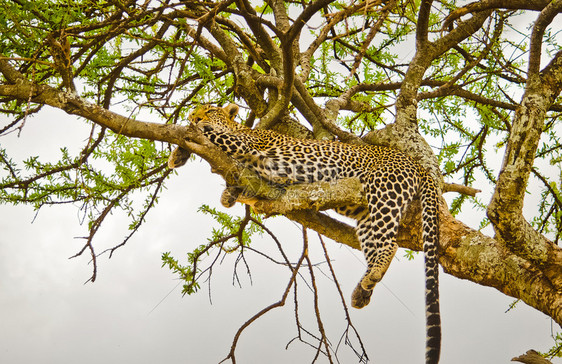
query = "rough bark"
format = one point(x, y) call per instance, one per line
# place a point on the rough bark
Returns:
point(506, 207)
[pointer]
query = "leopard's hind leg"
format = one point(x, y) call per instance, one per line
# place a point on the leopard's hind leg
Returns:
point(376, 232)
point(379, 249)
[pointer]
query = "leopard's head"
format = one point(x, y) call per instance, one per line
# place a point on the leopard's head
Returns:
point(209, 118)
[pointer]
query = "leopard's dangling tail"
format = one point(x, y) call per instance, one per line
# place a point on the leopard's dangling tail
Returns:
point(430, 234)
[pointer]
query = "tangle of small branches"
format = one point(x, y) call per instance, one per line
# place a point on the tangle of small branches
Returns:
point(320, 342)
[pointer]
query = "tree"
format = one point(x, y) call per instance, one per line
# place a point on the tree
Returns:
point(466, 80)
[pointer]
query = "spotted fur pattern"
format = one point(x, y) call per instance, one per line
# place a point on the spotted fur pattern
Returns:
point(390, 179)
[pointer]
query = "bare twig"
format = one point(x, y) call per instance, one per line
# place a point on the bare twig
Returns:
point(362, 355)
point(280, 303)
point(323, 337)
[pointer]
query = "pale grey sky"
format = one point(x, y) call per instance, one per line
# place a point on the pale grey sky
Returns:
point(48, 315)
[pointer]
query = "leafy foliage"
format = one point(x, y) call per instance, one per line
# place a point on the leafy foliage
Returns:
point(112, 172)
point(240, 229)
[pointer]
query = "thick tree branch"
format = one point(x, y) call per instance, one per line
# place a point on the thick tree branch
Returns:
point(263, 39)
point(506, 206)
point(244, 74)
point(316, 196)
point(75, 105)
point(469, 254)
point(494, 4)
point(423, 24)
point(288, 51)
point(544, 19)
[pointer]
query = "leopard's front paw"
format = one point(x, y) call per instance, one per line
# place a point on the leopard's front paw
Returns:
point(230, 195)
point(178, 158)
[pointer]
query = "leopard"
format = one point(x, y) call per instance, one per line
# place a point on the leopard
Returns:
point(390, 180)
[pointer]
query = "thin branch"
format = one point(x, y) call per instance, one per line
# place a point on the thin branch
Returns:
point(159, 184)
point(546, 184)
point(280, 303)
point(385, 11)
point(363, 358)
point(333, 19)
point(323, 337)
point(464, 190)
point(493, 4)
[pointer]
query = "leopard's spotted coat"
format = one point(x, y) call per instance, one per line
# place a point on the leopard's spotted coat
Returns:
point(390, 180)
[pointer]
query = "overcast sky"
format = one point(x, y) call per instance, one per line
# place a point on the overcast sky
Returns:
point(134, 312)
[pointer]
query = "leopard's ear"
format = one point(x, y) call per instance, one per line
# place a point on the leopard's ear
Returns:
point(231, 110)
